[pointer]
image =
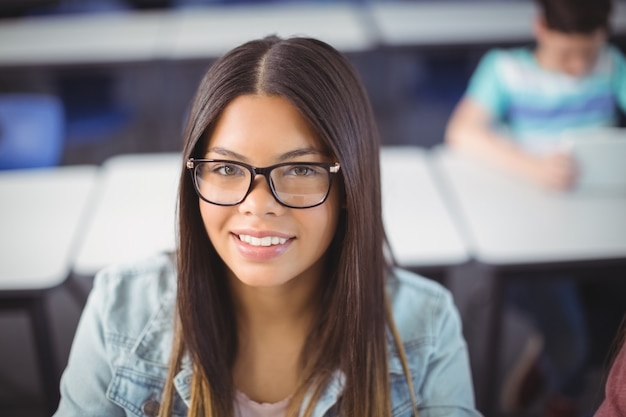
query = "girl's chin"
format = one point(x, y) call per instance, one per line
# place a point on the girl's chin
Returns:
point(260, 281)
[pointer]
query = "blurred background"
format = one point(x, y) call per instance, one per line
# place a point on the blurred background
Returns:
point(127, 89)
point(115, 77)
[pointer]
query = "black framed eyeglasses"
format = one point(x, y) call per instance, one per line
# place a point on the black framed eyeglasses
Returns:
point(293, 184)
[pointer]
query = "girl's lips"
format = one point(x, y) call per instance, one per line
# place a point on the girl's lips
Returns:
point(262, 241)
point(255, 252)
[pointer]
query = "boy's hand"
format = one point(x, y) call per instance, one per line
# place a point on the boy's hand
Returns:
point(556, 170)
point(470, 129)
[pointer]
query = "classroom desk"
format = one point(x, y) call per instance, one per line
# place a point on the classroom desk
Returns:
point(194, 33)
point(209, 32)
point(83, 39)
point(443, 23)
point(514, 226)
point(548, 226)
point(419, 225)
point(41, 214)
point(411, 24)
point(134, 211)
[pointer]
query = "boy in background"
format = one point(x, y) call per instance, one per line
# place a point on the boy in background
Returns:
point(517, 105)
point(519, 101)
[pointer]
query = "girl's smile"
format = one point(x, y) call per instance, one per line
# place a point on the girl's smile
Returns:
point(261, 246)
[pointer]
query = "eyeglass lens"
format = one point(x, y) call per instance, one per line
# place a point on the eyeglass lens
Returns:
point(296, 185)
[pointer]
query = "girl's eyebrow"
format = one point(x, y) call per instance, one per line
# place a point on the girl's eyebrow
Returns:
point(299, 152)
point(284, 157)
point(228, 154)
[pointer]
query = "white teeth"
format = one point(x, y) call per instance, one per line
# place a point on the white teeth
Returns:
point(262, 241)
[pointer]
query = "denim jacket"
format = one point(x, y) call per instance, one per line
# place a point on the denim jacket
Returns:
point(119, 358)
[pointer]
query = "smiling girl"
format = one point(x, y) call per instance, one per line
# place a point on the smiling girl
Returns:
point(280, 300)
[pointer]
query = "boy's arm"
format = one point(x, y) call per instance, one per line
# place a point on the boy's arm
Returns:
point(470, 129)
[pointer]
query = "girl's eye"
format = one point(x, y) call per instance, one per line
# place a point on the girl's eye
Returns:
point(227, 170)
point(302, 170)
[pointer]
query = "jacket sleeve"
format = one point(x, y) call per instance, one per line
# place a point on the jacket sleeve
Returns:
point(88, 373)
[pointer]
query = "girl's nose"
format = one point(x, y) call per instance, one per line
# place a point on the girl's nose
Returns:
point(260, 201)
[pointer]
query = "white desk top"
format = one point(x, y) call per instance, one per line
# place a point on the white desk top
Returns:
point(41, 214)
point(462, 22)
point(418, 223)
point(82, 39)
point(510, 220)
point(203, 32)
point(209, 32)
point(429, 23)
point(134, 212)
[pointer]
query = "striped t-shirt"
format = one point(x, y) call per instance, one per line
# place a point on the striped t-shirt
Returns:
point(537, 105)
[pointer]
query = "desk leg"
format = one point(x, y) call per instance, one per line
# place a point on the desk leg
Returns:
point(477, 295)
point(46, 352)
point(491, 401)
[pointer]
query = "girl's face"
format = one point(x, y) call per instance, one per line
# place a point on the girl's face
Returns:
point(261, 131)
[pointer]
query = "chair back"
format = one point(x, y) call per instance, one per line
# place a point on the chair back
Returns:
point(32, 131)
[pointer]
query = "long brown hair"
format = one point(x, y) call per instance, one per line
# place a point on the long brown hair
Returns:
point(350, 330)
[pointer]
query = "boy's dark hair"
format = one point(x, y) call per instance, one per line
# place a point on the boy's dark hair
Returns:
point(576, 16)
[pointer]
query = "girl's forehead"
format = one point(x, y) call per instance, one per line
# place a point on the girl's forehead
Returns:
point(253, 124)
